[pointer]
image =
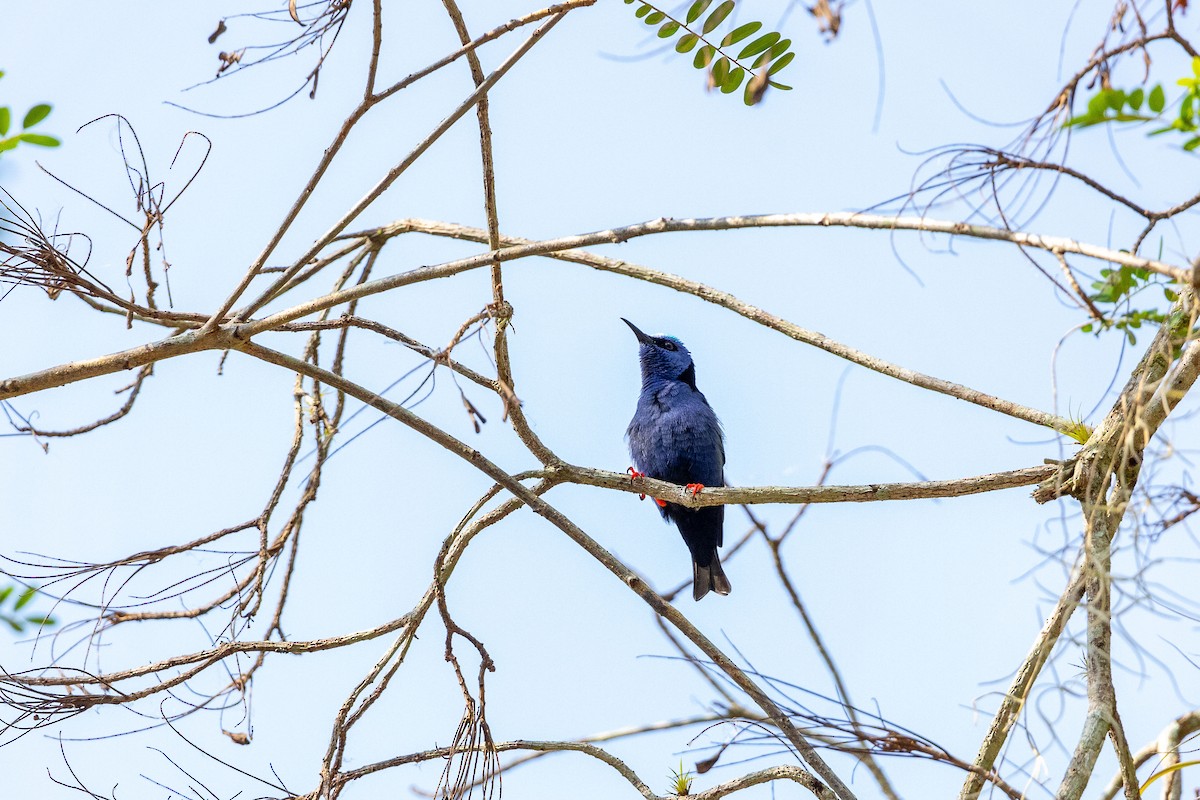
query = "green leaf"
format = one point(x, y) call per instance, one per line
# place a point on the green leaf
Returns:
point(720, 71)
point(772, 53)
point(759, 45)
point(4, 593)
point(9, 144)
point(717, 16)
point(1097, 105)
point(1135, 98)
point(740, 32)
point(704, 56)
point(1115, 98)
point(783, 87)
point(1158, 99)
point(40, 139)
point(1196, 66)
point(783, 61)
point(655, 18)
point(686, 43)
point(16, 626)
point(1170, 294)
point(24, 599)
point(750, 97)
point(643, 11)
point(698, 8)
point(733, 80)
point(1192, 144)
point(35, 115)
point(1087, 328)
point(43, 621)
point(5, 120)
point(668, 30)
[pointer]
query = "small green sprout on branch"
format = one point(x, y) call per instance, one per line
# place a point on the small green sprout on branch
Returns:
point(759, 59)
point(32, 117)
point(681, 781)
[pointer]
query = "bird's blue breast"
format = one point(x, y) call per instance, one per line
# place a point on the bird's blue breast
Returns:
point(676, 437)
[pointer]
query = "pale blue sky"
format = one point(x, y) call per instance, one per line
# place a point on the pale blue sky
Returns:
point(927, 606)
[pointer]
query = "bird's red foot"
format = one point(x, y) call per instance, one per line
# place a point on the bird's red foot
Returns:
point(694, 488)
point(633, 476)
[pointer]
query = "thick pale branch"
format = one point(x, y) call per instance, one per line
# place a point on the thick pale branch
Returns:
point(212, 655)
point(1167, 746)
point(1105, 475)
point(782, 772)
point(737, 495)
point(850, 219)
point(63, 374)
point(621, 733)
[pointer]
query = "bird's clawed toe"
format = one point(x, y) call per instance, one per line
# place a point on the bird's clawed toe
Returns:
point(633, 476)
point(694, 488)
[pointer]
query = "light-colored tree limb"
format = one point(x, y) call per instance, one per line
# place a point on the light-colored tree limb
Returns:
point(1166, 745)
point(1105, 474)
point(846, 219)
point(738, 495)
point(1014, 699)
point(782, 772)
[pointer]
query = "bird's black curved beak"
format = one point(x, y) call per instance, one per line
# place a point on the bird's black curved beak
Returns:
point(641, 337)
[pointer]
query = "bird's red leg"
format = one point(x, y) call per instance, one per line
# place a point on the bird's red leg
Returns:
point(694, 488)
point(633, 476)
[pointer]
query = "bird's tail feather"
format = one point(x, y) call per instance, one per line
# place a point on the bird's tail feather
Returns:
point(709, 578)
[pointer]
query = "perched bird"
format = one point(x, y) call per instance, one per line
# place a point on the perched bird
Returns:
point(675, 436)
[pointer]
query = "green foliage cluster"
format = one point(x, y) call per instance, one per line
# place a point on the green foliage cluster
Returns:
point(1117, 105)
point(1117, 287)
point(770, 52)
point(32, 117)
point(18, 616)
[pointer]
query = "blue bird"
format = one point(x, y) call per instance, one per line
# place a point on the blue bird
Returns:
point(675, 436)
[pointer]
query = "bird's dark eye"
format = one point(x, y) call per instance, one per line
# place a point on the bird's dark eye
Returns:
point(667, 344)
